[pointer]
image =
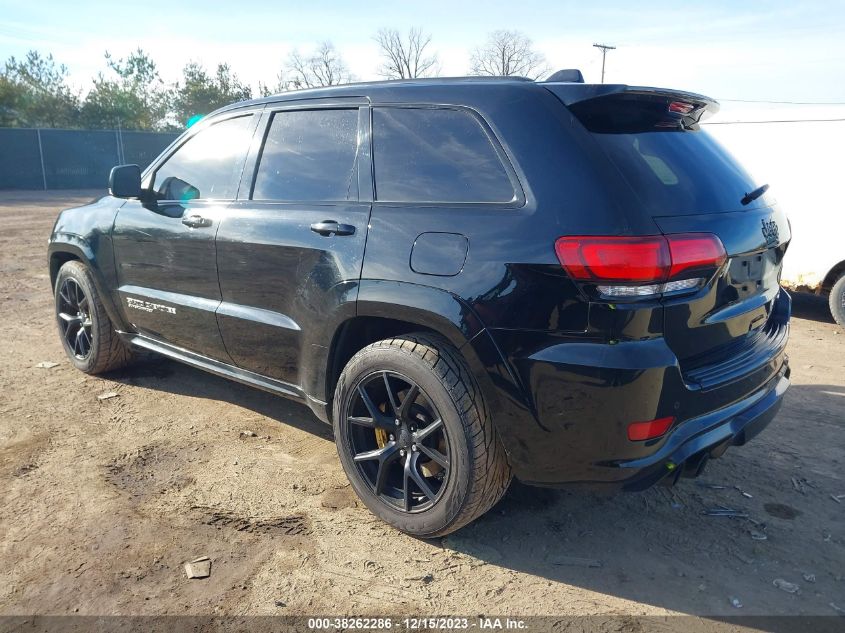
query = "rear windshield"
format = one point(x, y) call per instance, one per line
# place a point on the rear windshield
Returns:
point(672, 170)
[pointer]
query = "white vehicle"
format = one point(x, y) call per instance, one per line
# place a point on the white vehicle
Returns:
point(797, 151)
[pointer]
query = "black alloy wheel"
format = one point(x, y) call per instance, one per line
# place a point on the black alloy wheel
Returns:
point(74, 315)
point(398, 441)
point(88, 335)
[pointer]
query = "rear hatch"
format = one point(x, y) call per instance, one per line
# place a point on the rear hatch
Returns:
point(689, 184)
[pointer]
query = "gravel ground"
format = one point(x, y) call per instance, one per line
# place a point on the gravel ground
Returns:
point(102, 501)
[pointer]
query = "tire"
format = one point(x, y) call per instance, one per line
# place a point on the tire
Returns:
point(476, 473)
point(87, 334)
point(836, 300)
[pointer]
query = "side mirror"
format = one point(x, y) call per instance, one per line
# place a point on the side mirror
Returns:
point(125, 181)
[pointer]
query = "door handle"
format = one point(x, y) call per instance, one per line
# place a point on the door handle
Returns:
point(196, 221)
point(331, 227)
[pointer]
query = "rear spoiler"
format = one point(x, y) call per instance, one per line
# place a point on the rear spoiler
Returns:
point(689, 107)
point(571, 93)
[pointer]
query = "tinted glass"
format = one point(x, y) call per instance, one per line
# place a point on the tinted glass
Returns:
point(436, 155)
point(208, 165)
point(309, 155)
point(674, 169)
point(679, 173)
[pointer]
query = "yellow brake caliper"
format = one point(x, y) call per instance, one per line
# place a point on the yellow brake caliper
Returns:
point(381, 434)
point(381, 438)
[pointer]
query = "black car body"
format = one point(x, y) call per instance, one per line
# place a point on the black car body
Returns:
point(588, 250)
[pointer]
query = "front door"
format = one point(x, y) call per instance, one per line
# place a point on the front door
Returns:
point(164, 245)
point(290, 250)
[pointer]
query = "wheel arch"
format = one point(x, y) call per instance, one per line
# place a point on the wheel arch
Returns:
point(389, 308)
point(67, 247)
point(831, 277)
point(57, 260)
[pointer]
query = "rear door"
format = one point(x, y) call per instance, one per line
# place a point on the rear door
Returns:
point(164, 245)
point(687, 183)
point(290, 249)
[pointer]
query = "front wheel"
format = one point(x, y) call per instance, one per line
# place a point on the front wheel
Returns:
point(837, 300)
point(415, 437)
point(86, 331)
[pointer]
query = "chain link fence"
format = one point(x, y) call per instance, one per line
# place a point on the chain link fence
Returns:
point(72, 159)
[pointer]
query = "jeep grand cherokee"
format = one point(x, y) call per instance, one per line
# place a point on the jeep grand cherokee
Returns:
point(468, 278)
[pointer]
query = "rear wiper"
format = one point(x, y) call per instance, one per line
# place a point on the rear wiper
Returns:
point(749, 197)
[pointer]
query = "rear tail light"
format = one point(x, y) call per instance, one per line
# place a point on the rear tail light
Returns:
point(642, 266)
point(638, 431)
point(694, 252)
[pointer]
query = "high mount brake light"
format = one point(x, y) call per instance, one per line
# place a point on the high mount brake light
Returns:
point(642, 266)
point(681, 107)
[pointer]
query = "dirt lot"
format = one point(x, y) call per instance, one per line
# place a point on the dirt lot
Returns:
point(102, 501)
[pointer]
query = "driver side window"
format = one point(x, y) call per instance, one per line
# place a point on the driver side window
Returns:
point(208, 165)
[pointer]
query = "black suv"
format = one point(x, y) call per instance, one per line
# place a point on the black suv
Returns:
point(468, 278)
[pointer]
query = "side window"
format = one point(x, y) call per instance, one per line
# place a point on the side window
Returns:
point(436, 155)
point(309, 155)
point(208, 165)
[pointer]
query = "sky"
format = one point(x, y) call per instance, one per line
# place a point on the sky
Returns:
point(769, 50)
point(751, 55)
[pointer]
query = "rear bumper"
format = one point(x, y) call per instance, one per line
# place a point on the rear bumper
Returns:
point(687, 449)
point(578, 398)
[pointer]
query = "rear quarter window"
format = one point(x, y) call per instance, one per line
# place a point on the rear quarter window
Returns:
point(436, 155)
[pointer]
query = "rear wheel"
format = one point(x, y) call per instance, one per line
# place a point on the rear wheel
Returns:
point(837, 300)
point(86, 331)
point(415, 438)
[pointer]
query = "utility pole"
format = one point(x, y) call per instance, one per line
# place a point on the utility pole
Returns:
point(604, 48)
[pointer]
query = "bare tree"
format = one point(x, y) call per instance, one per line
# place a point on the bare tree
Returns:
point(281, 85)
point(405, 57)
point(324, 67)
point(507, 53)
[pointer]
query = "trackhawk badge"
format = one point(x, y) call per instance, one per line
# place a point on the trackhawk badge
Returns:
point(770, 232)
point(149, 306)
